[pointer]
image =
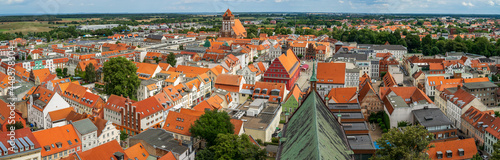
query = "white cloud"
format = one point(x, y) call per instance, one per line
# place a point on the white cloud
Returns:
point(278, 1)
point(341, 1)
point(12, 1)
point(467, 4)
point(491, 3)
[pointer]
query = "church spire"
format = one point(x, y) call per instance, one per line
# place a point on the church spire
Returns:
point(313, 78)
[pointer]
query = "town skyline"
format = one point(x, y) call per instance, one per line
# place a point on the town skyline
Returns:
point(23, 7)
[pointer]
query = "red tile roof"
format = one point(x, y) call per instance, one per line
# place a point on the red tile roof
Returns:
point(137, 152)
point(52, 136)
point(148, 107)
point(343, 95)
point(180, 122)
point(468, 145)
point(333, 73)
point(20, 133)
point(228, 82)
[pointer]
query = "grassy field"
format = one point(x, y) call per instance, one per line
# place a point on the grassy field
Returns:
point(67, 20)
point(25, 27)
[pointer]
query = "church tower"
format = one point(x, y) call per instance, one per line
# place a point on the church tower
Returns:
point(227, 24)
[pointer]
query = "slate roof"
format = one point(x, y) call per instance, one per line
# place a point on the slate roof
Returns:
point(314, 133)
point(84, 126)
point(430, 117)
point(161, 139)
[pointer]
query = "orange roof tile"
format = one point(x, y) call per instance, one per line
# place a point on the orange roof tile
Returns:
point(237, 125)
point(137, 152)
point(148, 107)
point(53, 136)
point(343, 95)
point(228, 82)
point(333, 73)
point(179, 122)
point(60, 114)
point(468, 145)
point(168, 156)
point(105, 151)
point(472, 80)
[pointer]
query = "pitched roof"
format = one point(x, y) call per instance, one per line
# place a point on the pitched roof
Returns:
point(412, 93)
point(180, 122)
point(238, 28)
point(333, 73)
point(24, 133)
point(53, 136)
point(168, 156)
point(84, 126)
point(228, 82)
point(83, 64)
point(189, 69)
point(116, 102)
point(460, 97)
point(472, 80)
point(290, 62)
point(148, 106)
point(238, 124)
point(364, 90)
point(343, 95)
point(60, 114)
point(436, 66)
point(314, 133)
point(105, 151)
point(295, 92)
point(467, 145)
point(137, 152)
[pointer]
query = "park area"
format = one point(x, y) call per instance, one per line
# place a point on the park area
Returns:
point(11, 27)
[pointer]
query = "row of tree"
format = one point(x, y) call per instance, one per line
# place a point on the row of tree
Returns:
point(216, 129)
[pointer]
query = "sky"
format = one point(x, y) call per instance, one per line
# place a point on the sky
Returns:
point(176, 6)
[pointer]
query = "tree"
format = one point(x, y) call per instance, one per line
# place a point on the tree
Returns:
point(300, 56)
point(382, 74)
point(477, 157)
point(123, 135)
point(17, 125)
point(59, 72)
point(181, 47)
point(496, 151)
point(90, 73)
point(65, 71)
point(207, 44)
point(407, 144)
point(210, 124)
point(120, 77)
point(230, 146)
point(403, 123)
point(117, 42)
point(171, 59)
point(29, 57)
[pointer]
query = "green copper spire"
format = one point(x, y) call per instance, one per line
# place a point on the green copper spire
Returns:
point(313, 75)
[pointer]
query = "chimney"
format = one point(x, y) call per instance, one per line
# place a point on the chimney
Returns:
point(180, 142)
point(458, 87)
point(119, 155)
point(339, 118)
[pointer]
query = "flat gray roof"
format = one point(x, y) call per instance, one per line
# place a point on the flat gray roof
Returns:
point(477, 85)
point(354, 126)
point(429, 117)
point(84, 126)
point(343, 106)
point(360, 142)
point(350, 115)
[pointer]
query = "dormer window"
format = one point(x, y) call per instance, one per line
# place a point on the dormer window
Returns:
point(449, 153)
point(461, 152)
point(439, 155)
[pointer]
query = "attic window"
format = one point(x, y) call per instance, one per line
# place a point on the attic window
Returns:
point(449, 153)
point(439, 155)
point(144, 155)
point(461, 152)
point(76, 140)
